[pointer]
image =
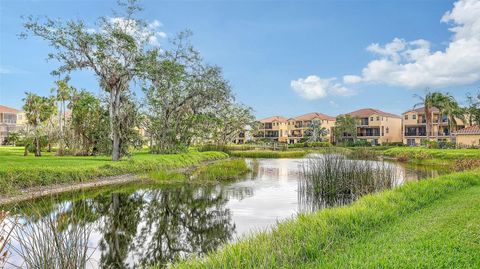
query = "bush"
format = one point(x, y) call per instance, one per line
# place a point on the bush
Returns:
point(310, 145)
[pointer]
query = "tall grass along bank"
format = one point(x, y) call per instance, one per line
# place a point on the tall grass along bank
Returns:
point(317, 239)
point(419, 153)
point(19, 172)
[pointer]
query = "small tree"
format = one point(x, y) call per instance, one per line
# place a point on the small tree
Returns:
point(473, 109)
point(230, 120)
point(38, 109)
point(315, 132)
point(13, 138)
point(345, 128)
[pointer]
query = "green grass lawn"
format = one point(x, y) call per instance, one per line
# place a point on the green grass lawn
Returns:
point(423, 153)
point(17, 171)
point(432, 223)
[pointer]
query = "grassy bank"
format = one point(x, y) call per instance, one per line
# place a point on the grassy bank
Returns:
point(269, 154)
point(419, 153)
point(19, 172)
point(219, 171)
point(375, 232)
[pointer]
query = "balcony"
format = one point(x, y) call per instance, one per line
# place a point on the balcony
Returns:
point(366, 134)
point(415, 133)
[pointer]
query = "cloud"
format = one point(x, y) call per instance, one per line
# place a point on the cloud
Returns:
point(150, 33)
point(314, 87)
point(412, 64)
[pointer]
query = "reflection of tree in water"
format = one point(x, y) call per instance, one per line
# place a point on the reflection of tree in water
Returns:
point(183, 220)
point(120, 217)
point(239, 192)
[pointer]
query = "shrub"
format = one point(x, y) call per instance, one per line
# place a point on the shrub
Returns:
point(402, 157)
point(466, 164)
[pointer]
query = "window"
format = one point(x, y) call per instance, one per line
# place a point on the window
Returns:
point(414, 117)
point(378, 118)
point(371, 118)
point(406, 117)
point(386, 130)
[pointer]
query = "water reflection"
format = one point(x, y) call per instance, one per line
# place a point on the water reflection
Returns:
point(139, 225)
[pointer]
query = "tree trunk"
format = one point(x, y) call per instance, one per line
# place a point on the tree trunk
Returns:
point(115, 131)
point(37, 147)
point(25, 153)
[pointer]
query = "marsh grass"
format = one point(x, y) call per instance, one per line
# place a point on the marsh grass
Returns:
point(332, 179)
point(269, 154)
point(5, 234)
point(221, 170)
point(57, 240)
point(364, 153)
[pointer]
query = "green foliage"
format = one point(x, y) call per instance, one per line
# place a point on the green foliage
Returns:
point(370, 232)
point(310, 145)
point(222, 170)
point(18, 172)
point(268, 154)
point(166, 176)
point(358, 143)
point(424, 153)
point(345, 128)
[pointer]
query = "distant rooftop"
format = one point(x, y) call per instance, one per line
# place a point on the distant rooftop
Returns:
point(313, 115)
point(6, 109)
point(274, 118)
point(421, 110)
point(366, 112)
point(472, 130)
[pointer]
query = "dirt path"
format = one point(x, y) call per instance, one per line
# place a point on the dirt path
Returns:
point(40, 191)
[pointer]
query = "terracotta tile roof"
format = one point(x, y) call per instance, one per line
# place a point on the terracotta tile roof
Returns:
point(367, 112)
point(8, 109)
point(421, 110)
point(313, 115)
point(472, 130)
point(273, 118)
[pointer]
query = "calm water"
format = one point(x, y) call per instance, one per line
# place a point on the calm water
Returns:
point(138, 225)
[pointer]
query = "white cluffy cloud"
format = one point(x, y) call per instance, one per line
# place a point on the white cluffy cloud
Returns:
point(413, 64)
point(149, 33)
point(313, 87)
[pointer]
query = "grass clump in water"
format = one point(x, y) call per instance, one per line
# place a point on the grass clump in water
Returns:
point(268, 154)
point(332, 179)
point(164, 175)
point(222, 170)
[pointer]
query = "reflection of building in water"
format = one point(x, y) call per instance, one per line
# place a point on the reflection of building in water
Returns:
point(239, 192)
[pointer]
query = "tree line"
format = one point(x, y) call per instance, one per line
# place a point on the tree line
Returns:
point(186, 99)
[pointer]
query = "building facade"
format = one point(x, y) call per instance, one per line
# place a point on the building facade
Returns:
point(377, 127)
point(273, 128)
point(11, 121)
point(414, 127)
point(468, 137)
point(298, 126)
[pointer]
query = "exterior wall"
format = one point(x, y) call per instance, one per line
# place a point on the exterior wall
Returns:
point(439, 128)
point(277, 126)
point(464, 140)
point(9, 123)
point(379, 128)
point(296, 129)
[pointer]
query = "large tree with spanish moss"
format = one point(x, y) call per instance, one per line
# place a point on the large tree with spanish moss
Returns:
point(111, 50)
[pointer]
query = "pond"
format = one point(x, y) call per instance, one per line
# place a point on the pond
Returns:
point(132, 225)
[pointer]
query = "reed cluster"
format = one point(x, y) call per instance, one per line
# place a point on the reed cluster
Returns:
point(332, 179)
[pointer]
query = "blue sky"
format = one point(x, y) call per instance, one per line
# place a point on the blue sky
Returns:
point(284, 57)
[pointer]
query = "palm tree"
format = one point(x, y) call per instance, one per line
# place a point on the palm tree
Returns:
point(429, 101)
point(38, 109)
point(316, 131)
point(449, 107)
point(63, 93)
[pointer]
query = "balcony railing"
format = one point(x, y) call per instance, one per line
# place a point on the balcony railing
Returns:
point(368, 134)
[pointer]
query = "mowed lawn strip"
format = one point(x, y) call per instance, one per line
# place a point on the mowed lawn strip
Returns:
point(445, 234)
point(312, 240)
point(19, 172)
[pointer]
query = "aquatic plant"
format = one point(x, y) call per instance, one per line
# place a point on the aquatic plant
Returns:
point(332, 179)
point(222, 170)
point(5, 233)
point(57, 240)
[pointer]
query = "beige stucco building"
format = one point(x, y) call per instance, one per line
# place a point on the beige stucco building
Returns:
point(274, 128)
point(414, 127)
point(468, 137)
point(377, 127)
point(11, 120)
point(298, 125)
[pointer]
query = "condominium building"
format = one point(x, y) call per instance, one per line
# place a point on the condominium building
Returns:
point(274, 128)
point(11, 120)
point(414, 125)
point(376, 126)
point(297, 126)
